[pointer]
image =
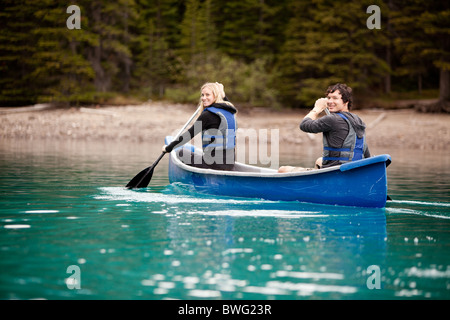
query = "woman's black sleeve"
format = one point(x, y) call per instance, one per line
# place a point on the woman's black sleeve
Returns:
point(202, 123)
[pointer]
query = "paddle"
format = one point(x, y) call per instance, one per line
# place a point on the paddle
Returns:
point(142, 179)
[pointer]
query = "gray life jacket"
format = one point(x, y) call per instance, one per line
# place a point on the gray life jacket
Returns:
point(352, 149)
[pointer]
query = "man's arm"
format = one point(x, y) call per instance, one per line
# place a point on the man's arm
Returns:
point(323, 124)
point(312, 124)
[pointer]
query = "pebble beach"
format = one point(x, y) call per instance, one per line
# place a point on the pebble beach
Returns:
point(151, 122)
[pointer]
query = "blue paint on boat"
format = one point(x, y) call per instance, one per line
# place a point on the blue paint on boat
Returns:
point(361, 183)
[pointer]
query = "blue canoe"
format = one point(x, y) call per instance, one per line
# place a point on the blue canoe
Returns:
point(361, 183)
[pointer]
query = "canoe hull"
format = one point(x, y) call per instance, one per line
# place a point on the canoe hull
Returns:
point(360, 185)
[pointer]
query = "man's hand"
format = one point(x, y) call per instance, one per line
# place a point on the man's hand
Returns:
point(320, 105)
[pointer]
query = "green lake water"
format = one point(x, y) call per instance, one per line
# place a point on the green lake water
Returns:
point(70, 230)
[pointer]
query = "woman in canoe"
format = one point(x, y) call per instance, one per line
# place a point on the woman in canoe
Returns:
point(343, 131)
point(217, 124)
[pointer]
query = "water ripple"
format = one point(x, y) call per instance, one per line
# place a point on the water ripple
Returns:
point(263, 213)
point(427, 209)
point(119, 193)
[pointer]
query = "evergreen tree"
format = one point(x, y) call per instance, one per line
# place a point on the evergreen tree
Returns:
point(155, 63)
point(17, 46)
point(197, 31)
point(59, 63)
point(110, 54)
point(251, 28)
point(45, 62)
point(262, 50)
point(422, 42)
point(328, 42)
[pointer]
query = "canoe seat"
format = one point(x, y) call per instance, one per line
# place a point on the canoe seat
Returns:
point(241, 167)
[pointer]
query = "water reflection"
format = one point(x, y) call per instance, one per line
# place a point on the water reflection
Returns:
point(65, 204)
point(251, 247)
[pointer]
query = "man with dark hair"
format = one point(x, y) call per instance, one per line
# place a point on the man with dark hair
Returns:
point(344, 90)
point(343, 131)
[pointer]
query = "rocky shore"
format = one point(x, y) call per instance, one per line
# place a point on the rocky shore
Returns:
point(151, 122)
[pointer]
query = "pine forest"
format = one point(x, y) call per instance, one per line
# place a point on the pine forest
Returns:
point(267, 53)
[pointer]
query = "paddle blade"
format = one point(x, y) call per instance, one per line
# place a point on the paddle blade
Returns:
point(142, 179)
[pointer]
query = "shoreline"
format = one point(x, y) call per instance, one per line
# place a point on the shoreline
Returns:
point(151, 122)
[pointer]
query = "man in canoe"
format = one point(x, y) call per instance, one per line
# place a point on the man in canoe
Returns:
point(217, 124)
point(343, 132)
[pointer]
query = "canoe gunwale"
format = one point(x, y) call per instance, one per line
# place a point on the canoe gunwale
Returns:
point(264, 174)
point(272, 173)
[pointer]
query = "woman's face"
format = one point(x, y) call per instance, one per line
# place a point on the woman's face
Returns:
point(208, 97)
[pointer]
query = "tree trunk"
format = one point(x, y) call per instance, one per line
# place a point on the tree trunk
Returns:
point(443, 105)
point(126, 59)
point(444, 85)
point(95, 54)
point(419, 84)
point(387, 79)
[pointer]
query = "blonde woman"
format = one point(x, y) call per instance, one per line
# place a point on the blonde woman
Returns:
point(217, 124)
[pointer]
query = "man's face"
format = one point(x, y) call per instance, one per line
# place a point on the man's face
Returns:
point(335, 103)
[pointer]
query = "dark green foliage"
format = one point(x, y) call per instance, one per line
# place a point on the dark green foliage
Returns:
point(266, 52)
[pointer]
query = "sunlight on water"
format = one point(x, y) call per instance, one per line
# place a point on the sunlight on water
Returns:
point(262, 213)
point(120, 193)
point(438, 210)
point(423, 203)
